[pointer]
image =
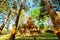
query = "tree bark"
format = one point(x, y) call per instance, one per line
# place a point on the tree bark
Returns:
point(8, 25)
point(54, 17)
point(12, 37)
point(5, 21)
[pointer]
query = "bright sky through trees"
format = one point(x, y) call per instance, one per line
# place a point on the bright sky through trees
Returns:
point(30, 2)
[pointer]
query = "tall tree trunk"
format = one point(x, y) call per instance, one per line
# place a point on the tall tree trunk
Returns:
point(4, 22)
point(12, 37)
point(8, 25)
point(54, 17)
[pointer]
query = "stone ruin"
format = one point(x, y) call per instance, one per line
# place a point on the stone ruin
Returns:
point(29, 28)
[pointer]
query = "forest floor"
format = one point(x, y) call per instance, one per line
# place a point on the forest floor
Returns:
point(46, 36)
point(3, 37)
point(18, 37)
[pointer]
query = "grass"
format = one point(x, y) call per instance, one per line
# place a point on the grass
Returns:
point(5, 35)
point(46, 36)
point(19, 37)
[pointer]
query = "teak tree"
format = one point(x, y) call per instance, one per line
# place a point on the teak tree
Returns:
point(14, 30)
point(54, 17)
point(5, 21)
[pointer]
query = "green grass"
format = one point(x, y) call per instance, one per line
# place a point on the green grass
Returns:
point(41, 36)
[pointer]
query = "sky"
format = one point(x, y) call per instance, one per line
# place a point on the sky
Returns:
point(12, 22)
point(32, 5)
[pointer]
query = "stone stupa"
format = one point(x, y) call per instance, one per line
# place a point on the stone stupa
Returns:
point(29, 28)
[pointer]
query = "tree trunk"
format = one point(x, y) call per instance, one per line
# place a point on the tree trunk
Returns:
point(8, 25)
point(54, 17)
point(5, 21)
point(12, 37)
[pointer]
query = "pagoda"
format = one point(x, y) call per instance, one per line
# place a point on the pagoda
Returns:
point(29, 28)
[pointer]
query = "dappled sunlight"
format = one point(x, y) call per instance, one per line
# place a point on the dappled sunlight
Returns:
point(29, 20)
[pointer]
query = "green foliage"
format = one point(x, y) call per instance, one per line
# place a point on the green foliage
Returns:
point(41, 26)
point(4, 6)
point(37, 15)
point(56, 2)
point(42, 3)
point(35, 12)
